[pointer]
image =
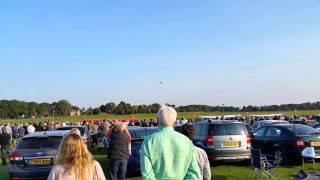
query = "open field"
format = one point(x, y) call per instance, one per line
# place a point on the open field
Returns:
point(189, 115)
point(232, 171)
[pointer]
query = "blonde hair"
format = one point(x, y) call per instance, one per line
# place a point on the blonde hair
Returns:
point(120, 127)
point(75, 131)
point(75, 157)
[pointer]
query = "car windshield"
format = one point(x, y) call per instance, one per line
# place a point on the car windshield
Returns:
point(40, 142)
point(141, 133)
point(81, 129)
point(249, 128)
point(227, 129)
point(302, 129)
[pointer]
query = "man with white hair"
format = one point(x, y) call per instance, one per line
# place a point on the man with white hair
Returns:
point(168, 154)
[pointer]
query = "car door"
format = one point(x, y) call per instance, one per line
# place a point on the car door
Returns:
point(258, 138)
point(272, 140)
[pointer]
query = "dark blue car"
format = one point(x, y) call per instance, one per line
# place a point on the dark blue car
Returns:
point(137, 136)
point(34, 155)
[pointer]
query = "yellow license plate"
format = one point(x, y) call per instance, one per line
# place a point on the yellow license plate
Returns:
point(40, 161)
point(231, 144)
point(315, 143)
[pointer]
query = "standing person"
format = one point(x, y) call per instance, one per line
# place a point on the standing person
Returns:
point(74, 161)
point(5, 138)
point(168, 154)
point(202, 157)
point(15, 133)
point(118, 152)
point(31, 129)
point(95, 131)
point(21, 132)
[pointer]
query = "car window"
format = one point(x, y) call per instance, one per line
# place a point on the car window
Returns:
point(302, 129)
point(151, 131)
point(197, 128)
point(137, 133)
point(227, 129)
point(259, 132)
point(249, 128)
point(204, 130)
point(262, 124)
point(273, 132)
point(40, 142)
point(81, 129)
point(255, 125)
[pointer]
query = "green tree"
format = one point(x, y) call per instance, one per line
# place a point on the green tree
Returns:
point(96, 111)
point(64, 107)
point(110, 107)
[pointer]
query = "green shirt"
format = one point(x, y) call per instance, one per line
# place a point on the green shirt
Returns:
point(167, 155)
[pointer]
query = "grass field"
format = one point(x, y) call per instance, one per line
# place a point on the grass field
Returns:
point(229, 171)
point(189, 115)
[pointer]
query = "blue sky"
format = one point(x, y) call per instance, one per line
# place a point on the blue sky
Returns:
point(205, 52)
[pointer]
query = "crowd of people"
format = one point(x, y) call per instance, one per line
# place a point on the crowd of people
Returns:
point(166, 154)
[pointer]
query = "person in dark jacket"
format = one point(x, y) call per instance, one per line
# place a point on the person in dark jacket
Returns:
point(118, 151)
point(5, 145)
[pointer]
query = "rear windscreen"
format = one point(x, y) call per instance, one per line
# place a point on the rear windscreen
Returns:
point(40, 142)
point(81, 129)
point(141, 133)
point(302, 129)
point(227, 129)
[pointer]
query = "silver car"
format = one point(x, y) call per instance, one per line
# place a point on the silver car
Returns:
point(223, 140)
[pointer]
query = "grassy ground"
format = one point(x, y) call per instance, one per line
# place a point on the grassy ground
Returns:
point(226, 171)
point(189, 115)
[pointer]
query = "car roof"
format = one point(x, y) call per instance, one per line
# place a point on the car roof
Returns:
point(218, 122)
point(271, 121)
point(47, 133)
point(72, 126)
point(286, 125)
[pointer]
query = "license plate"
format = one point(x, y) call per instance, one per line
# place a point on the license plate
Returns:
point(231, 144)
point(315, 144)
point(40, 161)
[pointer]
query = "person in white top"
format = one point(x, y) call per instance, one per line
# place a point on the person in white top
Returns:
point(9, 129)
point(31, 129)
point(74, 161)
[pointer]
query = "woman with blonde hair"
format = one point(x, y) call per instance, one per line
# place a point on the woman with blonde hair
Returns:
point(74, 162)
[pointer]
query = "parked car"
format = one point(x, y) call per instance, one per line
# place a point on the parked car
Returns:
point(286, 140)
point(250, 129)
point(223, 140)
point(262, 123)
point(84, 131)
point(317, 127)
point(33, 158)
point(137, 136)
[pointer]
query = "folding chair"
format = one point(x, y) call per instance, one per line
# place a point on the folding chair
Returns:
point(262, 166)
point(309, 152)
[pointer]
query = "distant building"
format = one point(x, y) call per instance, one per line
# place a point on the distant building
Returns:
point(75, 112)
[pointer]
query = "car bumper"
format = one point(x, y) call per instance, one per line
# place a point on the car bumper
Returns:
point(228, 155)
point(29, 173)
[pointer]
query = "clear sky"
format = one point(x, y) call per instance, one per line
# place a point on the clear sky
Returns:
point(231, 52)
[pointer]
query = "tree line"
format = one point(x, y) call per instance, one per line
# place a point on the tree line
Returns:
point(14, 109)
